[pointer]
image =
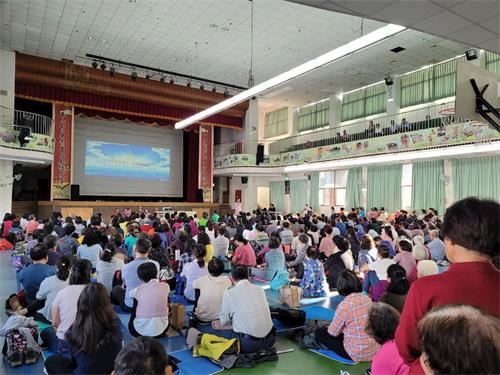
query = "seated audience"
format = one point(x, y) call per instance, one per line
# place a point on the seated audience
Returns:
point(474, 334)
point(50, 242)
point(158, 252)
point(209, 290)
point(286, 235)
point(367, 251)
point(93, 340)
point(246, 311)
point(336, 263)
point(274, 260)
point(326, 245)
point(300, 254)
point(32, 275)
point(398, 287)
point(107, 266)
point(376, 273)
point(436, 246)
point(204, 240)
point(470, 231)
point(244, 255)
point(426, 268)
point(64, 307)
point(131, 238)
point(67, 245)
point(346, 334)
point(381, 326)
point(194, 270)
point(221, 244)
point(313, 282)
point(120, 295)
point(150, 312)
point(143, 355)
point(91, 248)
point(405, 256)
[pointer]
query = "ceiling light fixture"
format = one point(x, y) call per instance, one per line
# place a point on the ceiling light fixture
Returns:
point(103, 66)
point(327, 58)
point(95, 64)
point(202, 87)
point(162, 79)
point(112, 70)
point(214, 89)
point(134, 76)
point(188, 84)
point(148, 76)
point(172, 81)
point(226, 94)
point(436, 153)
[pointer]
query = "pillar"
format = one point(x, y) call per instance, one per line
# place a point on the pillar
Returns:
point(63, 116)
point(6, 174)
point(205, 162)
point(7, 78)
point(448, 183)
point(335, 111)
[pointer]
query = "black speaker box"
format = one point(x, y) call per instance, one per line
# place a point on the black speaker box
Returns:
point(75, 192)
point(244, 180)
point(199, 195)
point(259, 158)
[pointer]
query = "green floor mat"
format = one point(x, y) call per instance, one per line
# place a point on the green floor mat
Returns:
point(300, 361)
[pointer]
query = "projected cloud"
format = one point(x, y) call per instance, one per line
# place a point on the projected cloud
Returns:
point(127, 161)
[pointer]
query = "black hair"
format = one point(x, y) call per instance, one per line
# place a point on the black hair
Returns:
point(215, 267)
point(348, 282)
point(239, 237)
point(274, 242)
point(143, 355)
point(203, 238)
point(405, 245)
point(50, 241)
point(304, 238)
point(239, 273)
point(80, 274)
point(91, 238)
point(147, 271)
point(143, 245)
point(108, 252)
point(383, 251)
point(39, 252)
point(200, 252)
point(63, 266)
point(399, 282)
point(383, 320)
point(16, 224)
point(69, 229)
point(341, 243)
point(155, 241)
point(312, 252)
point(473, 224)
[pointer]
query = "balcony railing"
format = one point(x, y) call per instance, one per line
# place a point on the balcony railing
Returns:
point(14, 119)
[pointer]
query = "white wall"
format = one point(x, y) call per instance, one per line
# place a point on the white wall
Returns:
point(6, 171)
point(7, 78)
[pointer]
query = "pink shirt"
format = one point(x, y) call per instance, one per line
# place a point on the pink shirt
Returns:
point(245, 256)
point(152, 299)
point(31, 226)
point(388, 361)
point(326, 246)
point(406, 260)
point(67, 302)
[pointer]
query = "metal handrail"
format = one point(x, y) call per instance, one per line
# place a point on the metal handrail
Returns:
point(15, 119)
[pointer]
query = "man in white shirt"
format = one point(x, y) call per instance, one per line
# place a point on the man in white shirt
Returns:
point(221, 244)
point(245, 308)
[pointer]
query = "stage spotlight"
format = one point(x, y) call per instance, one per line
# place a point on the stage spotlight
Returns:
point(103, 66)
point(188, 84)
point(95, 65)
point(172, 81)
point(226, 93)
point(148, 76)
point(389, 81)
point(134, 76)
point(214, 89)
point(470, 54)
point(112, 70)
point(162, 79)
point(202, 87)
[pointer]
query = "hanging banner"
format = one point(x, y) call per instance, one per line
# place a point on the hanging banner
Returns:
point(205, 174)
point(61, 167)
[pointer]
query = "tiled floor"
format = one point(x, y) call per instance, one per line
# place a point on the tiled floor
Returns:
point(297, 362)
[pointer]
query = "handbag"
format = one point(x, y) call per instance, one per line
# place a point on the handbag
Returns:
point(166, 273)
point(290, 295)
point(279, 279)
point(178, 313)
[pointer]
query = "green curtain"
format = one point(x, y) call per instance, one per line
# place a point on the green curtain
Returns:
point(276, 123)
point(353, 105)
point(353, 188)
point(277, 194)
point(298, 195)
point(314, 116)
point(375, 99)
point(416, 88)
point(445, 79)
point(478, 177)
point(314, 201)
point(428, 185)
point(384, 186)
point(493, 63)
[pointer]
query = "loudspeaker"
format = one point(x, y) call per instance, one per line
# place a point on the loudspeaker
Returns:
point(244, 180)
point(199, 195)
point(259, 158)
point(75, 192)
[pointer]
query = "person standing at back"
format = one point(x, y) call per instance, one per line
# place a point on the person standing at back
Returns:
point(120, 295)
point(470, 231)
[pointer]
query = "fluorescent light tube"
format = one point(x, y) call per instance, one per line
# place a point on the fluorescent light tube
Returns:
point(338, 53)
point(395, 157)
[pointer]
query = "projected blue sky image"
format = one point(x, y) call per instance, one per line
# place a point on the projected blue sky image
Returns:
point(127, 161)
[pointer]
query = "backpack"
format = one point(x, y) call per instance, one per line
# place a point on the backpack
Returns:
point(289, 317)
point(21, 344)
point(279, 279)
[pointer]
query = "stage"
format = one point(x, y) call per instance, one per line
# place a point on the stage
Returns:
point(86, 209)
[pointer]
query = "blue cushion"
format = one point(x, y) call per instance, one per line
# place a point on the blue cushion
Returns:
point(332, 355)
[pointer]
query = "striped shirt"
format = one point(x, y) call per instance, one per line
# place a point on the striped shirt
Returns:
point(350, 319)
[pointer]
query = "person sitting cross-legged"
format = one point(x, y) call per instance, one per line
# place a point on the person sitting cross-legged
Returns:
point(245, 315)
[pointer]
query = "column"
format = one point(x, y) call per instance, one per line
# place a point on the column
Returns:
point(63, 116)
point(448, 183)
point(364, 190)
point(206, 162)
point(335, 110)
point(7, 78)
point(6, 174)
